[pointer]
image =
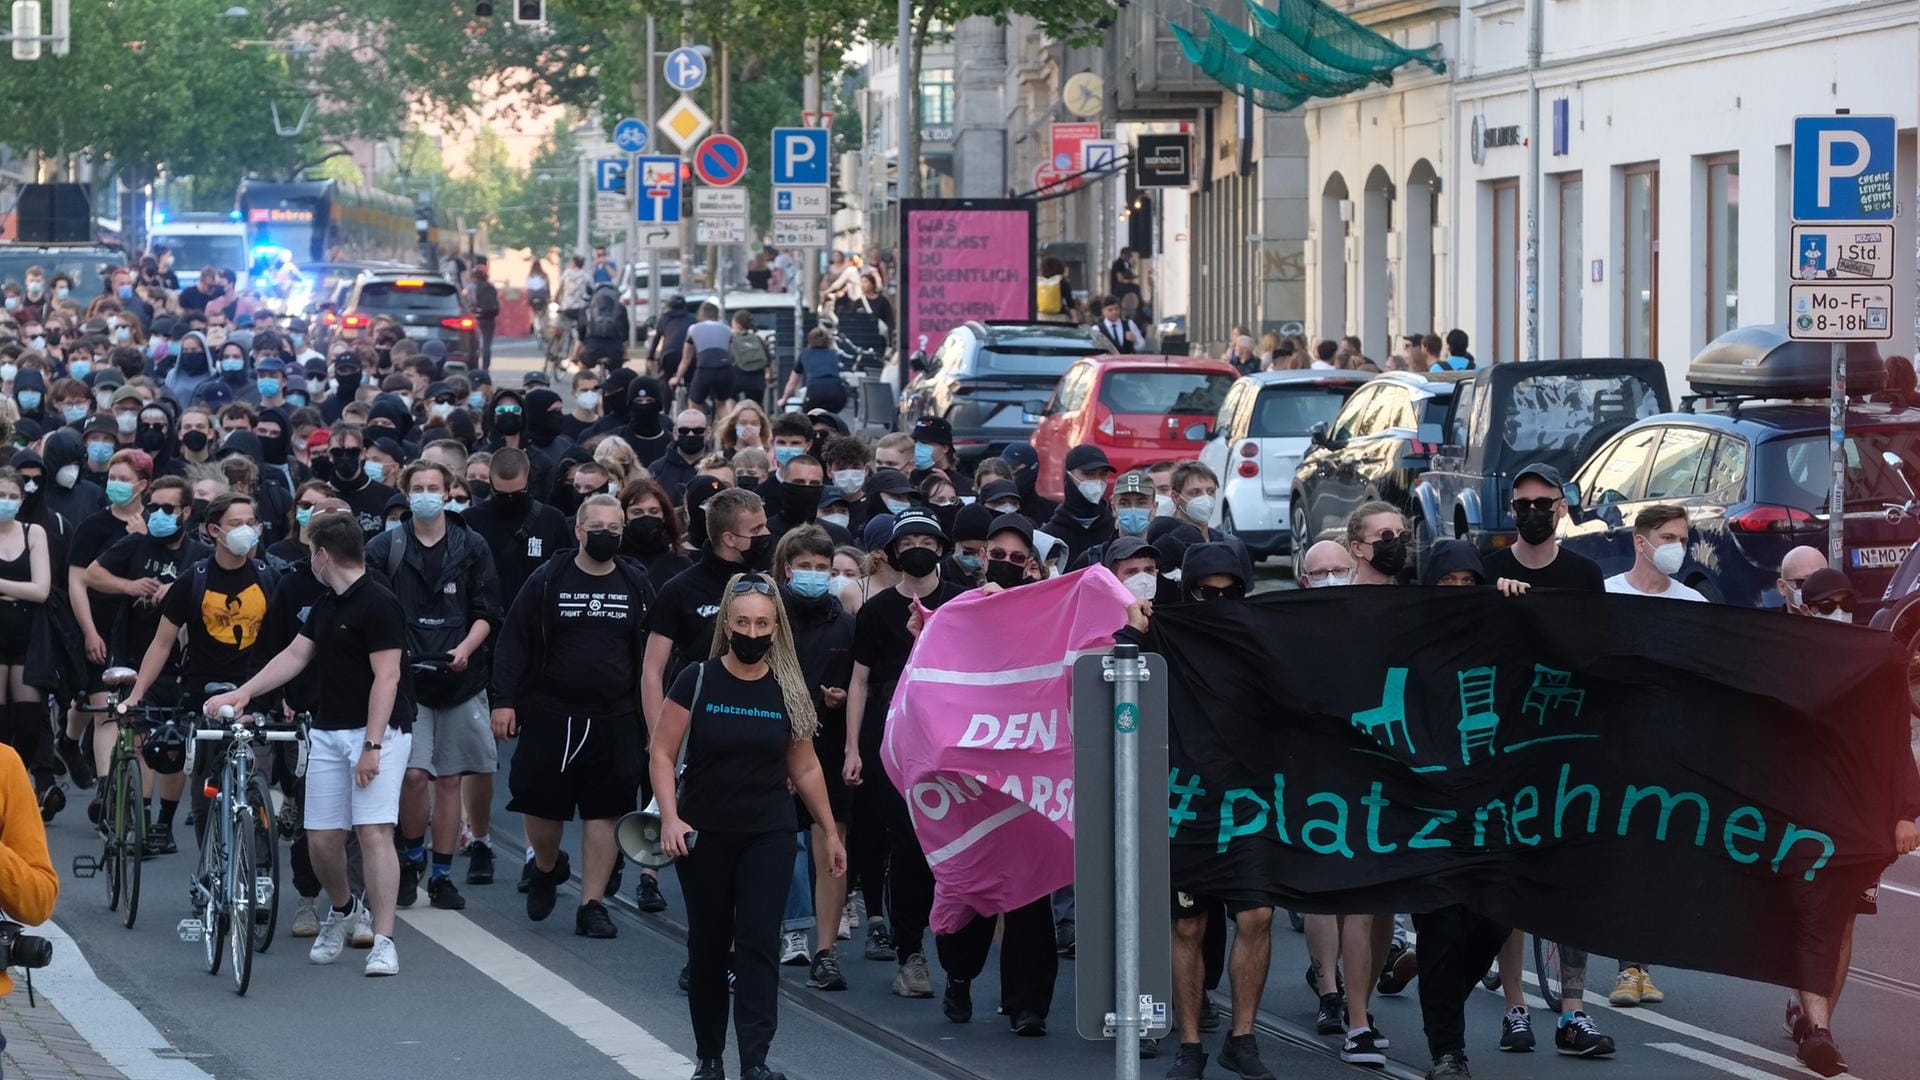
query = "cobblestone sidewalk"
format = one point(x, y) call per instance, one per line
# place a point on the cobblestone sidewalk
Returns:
point(41, 1045)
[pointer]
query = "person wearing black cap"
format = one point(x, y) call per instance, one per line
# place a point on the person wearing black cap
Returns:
point(1083, 519)
point(881, 643)
point(1025, 463)
point(969, 559)
point(933, 449)
point(346, 385)
point(1136, 564)
point(346, 448)
point(679, 463)
point(508, 424)
point(1536, 558)
point(890, 491)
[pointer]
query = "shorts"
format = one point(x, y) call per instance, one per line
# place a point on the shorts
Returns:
point(1869, 902)
point(1189, 906)
point(831, 749)
point(334, 799)
point(454, 740)
point(751, 385)
point(829, 396)
point(710, 384)
point(580, 763)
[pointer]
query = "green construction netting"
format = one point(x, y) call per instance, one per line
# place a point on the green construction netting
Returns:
point(1300, 50)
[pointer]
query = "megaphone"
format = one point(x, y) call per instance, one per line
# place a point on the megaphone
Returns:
point(638, 834)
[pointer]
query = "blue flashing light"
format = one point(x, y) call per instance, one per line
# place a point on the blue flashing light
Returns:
point(233, 215)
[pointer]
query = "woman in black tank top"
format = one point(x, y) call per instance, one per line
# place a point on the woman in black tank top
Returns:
point(26, 577)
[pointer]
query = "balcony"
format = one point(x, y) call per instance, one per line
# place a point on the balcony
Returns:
point(1147, 77)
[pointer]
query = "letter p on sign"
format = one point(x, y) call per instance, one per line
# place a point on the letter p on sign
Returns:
point(1830, 169)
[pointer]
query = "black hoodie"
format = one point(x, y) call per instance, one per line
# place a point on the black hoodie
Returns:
point(1203, 560)
point(65, 447)
point(29, 379)
point(34, 510)
point(545, 463)
point(1080, 524)
point(1450, 555)
point(273, 500)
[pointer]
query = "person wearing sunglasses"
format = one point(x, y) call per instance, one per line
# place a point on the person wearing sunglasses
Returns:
point(1659, 550)
point(1011, 560)
point(1536, 560)
point(581, 739)
point(680, 463)
point(1795, 568)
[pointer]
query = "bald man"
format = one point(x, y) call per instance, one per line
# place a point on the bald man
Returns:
point(1326, 563)
point(1800, 563)
point(677, 466)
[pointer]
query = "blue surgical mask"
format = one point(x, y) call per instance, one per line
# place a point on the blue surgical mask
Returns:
point(61, 292)
point(895, 506)
point(785, 454)
point(162, 524)
point(374, 470)
point(119, 492)
point(458, 507)
point(303, 515)
point(810, 583)
point(296, 399)
point(9, 509)
point(392, 524)
point(29, 399)
point(476, 399)
point(99, 453)
point(80, 369)
point(971, 562)
point(922, 455)
point(426, 504)
point(1133, 521)
point(268, 387)
point(73, 414)
point(298, 339)
point(232, 364)
point(125, 292)
point(121, 333)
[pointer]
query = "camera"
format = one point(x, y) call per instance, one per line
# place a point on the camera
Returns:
point(21, 949)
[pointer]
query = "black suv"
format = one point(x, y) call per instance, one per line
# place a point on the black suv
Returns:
point(983, 374)
point(427, 306)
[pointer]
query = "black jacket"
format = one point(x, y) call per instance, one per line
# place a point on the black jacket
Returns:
point(519, 545)
point(1066, 524)
point(520, 656)
point(674, 473)
point(85, 497)
point(441, 611)
point(823, 643)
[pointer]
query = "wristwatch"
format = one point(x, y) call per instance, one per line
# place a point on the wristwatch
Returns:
point(369, 745)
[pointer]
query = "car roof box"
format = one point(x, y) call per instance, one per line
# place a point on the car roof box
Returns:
point(1761, 361)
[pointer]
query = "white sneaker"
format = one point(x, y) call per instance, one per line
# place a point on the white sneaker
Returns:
point(846, 923)
point(383, 960)
point(361, 924)
point(306, 917)
point(331, 939)
point(793, 948)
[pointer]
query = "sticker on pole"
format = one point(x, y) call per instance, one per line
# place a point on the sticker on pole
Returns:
point(1843, 252)
point(1126, 717)
point(720, 160)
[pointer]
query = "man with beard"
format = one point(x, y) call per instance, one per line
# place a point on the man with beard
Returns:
point(346, 446)
point(522, 532)
point(1083, 519)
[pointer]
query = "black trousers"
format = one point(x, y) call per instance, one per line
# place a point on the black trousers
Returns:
point(1457, 945)
point(867, 848)
point(736, 890)
point(1028, 962)
point(909, 880)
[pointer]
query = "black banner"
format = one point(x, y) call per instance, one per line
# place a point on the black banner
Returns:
point(1686, 784)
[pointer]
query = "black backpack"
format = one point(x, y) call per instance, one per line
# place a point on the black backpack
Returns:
point(603, 314)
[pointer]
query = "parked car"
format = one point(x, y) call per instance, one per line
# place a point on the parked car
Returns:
point(1257, 442)
point(1509, 416)
point(1377, 447)
point(1139, 408)
point(427, 307)
point(1752, 470)
point(326, 288)
point(983, 376)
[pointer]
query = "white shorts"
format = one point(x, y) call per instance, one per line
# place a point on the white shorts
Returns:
point(334, 800)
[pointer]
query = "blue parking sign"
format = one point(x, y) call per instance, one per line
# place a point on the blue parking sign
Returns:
point(1843, 168)
point(800, 156)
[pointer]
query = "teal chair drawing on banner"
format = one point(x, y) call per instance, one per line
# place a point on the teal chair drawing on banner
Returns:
point(1552, 688)
point(1392, 711)
point(1478, 722)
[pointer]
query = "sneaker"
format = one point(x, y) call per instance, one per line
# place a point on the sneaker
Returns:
point(360, 926)
point(383, 960)
point(410, 872)
point(848, 920)
point(592, 921)
point(761, 1072)
point(793, 948)
point(825, 973)
point(159, 841)
point(479, 864)
point(1209, 1016)
point(97, 809)
point(1189, 1064)
point(442, 894)
point(1626, 989)
point(711, 1069)
point(1451, 1066)
point(1242, 1055)
point(1516, 1031)
point(1332, 1017)
point(1795, 1022)
point(647, 895)
point(1579, 1038)
point(1649, 993)
point(912, 980)
point(526, 875)
point(1028, 1024)
point(1063, 937)
point(1401, 968)
point(543, 892)
point(1363, 1048)
point(1818, 1052)
point(331, 938)
point(957, 1002)
point(52, 801)
point(79, 769)
point(879, 942)
point(306, 917)
point(1149, 1048)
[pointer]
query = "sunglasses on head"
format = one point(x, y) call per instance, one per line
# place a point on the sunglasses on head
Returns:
point(751, 583)
point(1544, 502)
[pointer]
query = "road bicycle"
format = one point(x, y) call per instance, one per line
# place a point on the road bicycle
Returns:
point(123, 806)
point(1546, 968)
point(236, 888)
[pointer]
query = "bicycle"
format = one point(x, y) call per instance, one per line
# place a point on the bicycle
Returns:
point(1546, 965)
point(237, 885)
point(123, 804)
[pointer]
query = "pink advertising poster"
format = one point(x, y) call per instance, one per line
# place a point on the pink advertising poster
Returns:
point(963, 259)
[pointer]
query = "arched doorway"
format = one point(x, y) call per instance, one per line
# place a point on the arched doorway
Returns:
point(1376, 276)
point(1336, 211)
point(1419, 298)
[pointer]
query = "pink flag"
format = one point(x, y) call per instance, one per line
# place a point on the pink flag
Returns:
point(979, 738)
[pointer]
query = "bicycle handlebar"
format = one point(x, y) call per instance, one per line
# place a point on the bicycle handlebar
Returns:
point(264, 734)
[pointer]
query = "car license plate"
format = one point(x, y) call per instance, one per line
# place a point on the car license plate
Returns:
point(1878, 557)
point(419, 332)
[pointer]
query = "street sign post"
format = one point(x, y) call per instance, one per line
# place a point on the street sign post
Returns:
point(657, 199)
point(1843, 180)
point(686, 69)
point(800, 157)
point(1123, 958)
point(722, 202)
point(711, 229)
point(630, 135)
point(610, 194)
point(720, 160)
point(685, 122)
point(801, 202)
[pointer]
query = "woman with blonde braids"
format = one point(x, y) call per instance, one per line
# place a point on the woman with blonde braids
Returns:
point(747, 720)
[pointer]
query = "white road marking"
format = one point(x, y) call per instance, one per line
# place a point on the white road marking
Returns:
point(1745, 1072)
point(630, 1046)
point(1901, 889)
point(108, 1022)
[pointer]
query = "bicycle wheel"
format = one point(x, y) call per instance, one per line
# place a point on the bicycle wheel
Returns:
point(213, 883)
point(113, 847)
point(239, 892)
point(266, 855)
point(133, 838)
point(1546, 965)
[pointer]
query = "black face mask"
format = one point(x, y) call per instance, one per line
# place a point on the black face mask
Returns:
point(151, 437)
point(646, 536)
point(602, 545)
point(481, 490)
point(1389, 556)
point(747, 483)
point(192, 361)
point(199, 511)
point(275, 448)
point(799, 502)
point(545, 425)
point(1536, 526)
point(512, 504)
point(1004, 574)
point(349, 384)
point(1023, 480)
point(644, 417)
point(346, 463)
point(509, 423)
point(690, 445)
point(749, 650)
point(760, 552)
point(195, 440)
point(917, 562)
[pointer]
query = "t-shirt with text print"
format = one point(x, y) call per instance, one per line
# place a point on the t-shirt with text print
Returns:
point(738, 735)
point(589, 656)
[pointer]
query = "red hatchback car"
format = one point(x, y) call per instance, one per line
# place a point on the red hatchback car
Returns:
point(1139, 409)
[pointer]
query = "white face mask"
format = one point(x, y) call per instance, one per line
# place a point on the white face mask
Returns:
point(1163, 506)
point(1836, 615)
point(1092, 490)
point(241, 539)
point(126, 422)
point(1005, 508)
point(8, 371)
point(1200, 508)
point(1331, 580)
point(67, 475)
point(1143, 585)
point(849, 480)
point(1668, 557)
point(835, 519)
point(1790, 595)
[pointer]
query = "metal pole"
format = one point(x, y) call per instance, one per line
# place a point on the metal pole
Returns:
point(633, 188)
point(905, 31)
point(1127, 671)
point(1534, 15)
point(1837, 436)
point(808, 259)
point(582, 239)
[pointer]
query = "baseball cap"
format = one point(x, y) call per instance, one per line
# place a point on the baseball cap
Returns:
point(999, 490)
point(1019, 455)
point(100, 424)
point(272, 362)
point(1542, 471)
point(1017, 523)
point(1128, 547)
point(877, 531)
point(1825, 584)
point(1084, 457)
point(889, 482)
point(1134, 483)
point(830, 495)
point(128, 393)
point(933, 429)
